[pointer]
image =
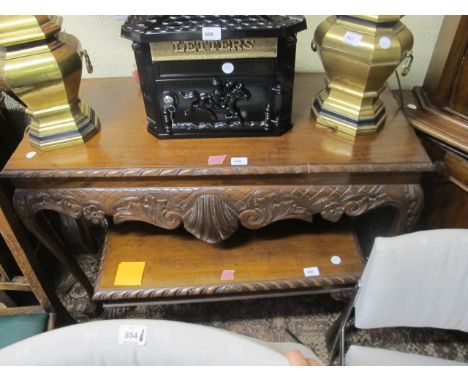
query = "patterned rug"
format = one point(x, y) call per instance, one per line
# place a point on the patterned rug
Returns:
point(301, 318)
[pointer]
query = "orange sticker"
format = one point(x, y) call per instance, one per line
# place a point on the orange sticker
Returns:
point(129, 273)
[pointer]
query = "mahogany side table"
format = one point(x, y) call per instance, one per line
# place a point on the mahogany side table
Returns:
point(126, 174)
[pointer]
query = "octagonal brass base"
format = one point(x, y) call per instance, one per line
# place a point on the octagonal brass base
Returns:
point(62, 126)
point(349, 113)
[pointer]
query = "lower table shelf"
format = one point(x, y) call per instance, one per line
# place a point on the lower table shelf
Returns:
point(173, 266)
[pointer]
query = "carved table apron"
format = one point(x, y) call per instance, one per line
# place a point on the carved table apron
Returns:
point(212, 214)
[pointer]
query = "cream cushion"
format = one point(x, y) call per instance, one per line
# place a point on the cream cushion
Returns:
point(416, 280)
point(366, 356)
point(167, 343)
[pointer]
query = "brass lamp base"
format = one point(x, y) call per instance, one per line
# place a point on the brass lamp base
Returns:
point(360, 116)
point(358, 53)
point(42, 67)
point(62, 126)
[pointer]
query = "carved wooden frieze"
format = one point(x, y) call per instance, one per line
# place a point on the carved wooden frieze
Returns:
point(223, 289)
point(213, 214)
point(149, 207)
point(210, 217)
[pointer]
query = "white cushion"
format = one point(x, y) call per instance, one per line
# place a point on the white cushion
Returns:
point(416, 280)
point(167, 343)
point(366, 356)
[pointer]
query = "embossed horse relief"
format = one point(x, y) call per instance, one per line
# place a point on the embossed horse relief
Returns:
point(222, 100)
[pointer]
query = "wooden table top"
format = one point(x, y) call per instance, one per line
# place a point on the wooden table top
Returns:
point(125, 148)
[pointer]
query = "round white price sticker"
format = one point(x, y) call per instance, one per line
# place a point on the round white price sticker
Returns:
point(385, 42)
point(31, 154)
point(335, 260)
point(227, 67)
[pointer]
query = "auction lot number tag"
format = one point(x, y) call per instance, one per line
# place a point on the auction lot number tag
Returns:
point(311, 272)
point(239, 161)
point(211, 33)
point(352, 38)
point(132, 334)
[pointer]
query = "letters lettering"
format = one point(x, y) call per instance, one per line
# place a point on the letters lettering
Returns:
point(236, 45)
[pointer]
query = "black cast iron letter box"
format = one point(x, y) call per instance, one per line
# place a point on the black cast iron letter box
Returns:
point(213, 76)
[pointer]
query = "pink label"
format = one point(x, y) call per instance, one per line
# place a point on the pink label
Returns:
point(216, 159)
point(228, 274)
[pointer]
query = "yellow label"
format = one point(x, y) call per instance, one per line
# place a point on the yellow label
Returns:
point(214, 49)
point(129, 273)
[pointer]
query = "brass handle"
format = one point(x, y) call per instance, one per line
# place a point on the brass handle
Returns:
point(313, 46)
point(407, 64)
point(89, 66)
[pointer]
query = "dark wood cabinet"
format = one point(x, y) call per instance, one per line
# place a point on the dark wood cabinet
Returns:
point(441, 118)
point(445, 82)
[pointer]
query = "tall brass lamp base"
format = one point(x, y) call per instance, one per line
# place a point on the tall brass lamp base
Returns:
point(359, 53)
point(42, 67)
